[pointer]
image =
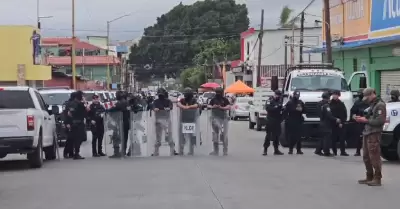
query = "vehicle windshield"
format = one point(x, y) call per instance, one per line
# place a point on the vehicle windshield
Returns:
point(88, 96)
point(209, 95)
point(55, 98)
point(318, 83)
point(15, 100)
point(102, 97)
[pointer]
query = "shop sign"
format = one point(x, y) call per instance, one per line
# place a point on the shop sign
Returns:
point(385, 14)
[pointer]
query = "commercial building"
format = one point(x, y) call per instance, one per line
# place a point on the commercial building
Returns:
point(366, 38)
point(20, 57)
point(274, 60)
point(91, 61)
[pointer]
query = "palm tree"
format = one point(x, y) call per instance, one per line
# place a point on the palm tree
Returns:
point(286, 20)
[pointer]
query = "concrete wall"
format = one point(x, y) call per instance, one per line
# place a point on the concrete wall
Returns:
point(16, 48)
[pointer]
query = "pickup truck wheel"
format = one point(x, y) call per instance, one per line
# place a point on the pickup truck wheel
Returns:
point(36, 157)
point(258, 125)
point(3, 155)
point(50, 153)
point(251, 124)
point(398, 149)
point(389, 153)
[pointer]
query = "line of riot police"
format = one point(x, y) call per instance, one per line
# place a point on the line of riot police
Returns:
point(333, 115)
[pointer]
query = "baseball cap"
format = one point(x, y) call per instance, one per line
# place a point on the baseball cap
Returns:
point(368, 92)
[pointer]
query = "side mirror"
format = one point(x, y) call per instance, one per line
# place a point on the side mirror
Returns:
point(363, 82)
point(55, 110)
point(274, 83)
point(250, 102)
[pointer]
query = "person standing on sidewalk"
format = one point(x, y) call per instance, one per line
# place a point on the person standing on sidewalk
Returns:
point(374, 121)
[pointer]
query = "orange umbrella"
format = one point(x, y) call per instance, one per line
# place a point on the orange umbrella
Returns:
point(239, 87)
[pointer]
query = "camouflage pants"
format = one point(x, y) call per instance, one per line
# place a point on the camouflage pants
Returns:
point(164, 125)
point(372, 154)
point(217, 133)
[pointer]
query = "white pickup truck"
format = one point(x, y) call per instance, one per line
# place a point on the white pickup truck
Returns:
point(26, 125)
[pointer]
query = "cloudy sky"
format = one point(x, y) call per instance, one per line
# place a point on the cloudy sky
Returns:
point(92, 15)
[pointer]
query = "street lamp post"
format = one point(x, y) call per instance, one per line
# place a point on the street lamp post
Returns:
point(73, 64)
point(38, 17)
point(108, 47)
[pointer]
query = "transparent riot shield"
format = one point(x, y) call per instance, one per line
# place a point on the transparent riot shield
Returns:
point(140, 145)
point(217, 130)
point(114, 134)
point(188, 131)
point(160, 132)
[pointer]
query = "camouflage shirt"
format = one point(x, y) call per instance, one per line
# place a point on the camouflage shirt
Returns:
point(376, 117)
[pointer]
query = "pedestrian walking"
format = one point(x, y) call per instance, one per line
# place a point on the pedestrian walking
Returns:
point(339, 111)
point(218, 106)
point(357, 128)
point(327, 122)
point(293, 114)
point(374, 121)
point(95, 117)
point(274, 110)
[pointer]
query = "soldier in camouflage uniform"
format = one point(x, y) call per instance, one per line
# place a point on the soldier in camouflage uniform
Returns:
point(374, 121)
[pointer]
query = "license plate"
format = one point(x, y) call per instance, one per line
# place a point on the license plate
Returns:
point(188, 128)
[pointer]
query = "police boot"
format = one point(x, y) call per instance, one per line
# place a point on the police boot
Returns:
point(101, 153)
point(290, 151)
point(116, 154)
point(368, 178)
point(172, 150)
point(376, 181)
point(299, 152)
point(215, 151)
point(156, 151)
point(265, 153)
point(277, 151)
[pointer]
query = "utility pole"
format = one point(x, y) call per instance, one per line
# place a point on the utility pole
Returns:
point(260, 38)
point(73, 47)
point(38, 13)
point(108, 54)
point(328, 38)
point(301, 37)
point(286, 51)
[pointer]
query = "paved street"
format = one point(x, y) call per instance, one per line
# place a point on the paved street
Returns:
point(242, 180)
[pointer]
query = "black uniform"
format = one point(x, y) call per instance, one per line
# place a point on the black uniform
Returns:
point(273, 127)
point(327, 121)
point(293, 114)
point(78, 112)
point(122, 106)
point(357, 128)
point(67, 119)
point(338, 133)
point(95, 114)
point(394, 96)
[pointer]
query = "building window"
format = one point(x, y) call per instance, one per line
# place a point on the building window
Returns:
point(237, 78)
point(249, 83)
point(355, 66)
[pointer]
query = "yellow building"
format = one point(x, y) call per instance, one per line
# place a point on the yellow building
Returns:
point(19, 64)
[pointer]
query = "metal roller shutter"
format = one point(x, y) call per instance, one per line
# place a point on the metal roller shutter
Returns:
point(389, 80)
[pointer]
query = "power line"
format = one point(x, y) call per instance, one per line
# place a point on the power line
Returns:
point(140, 31)
point(297, 16)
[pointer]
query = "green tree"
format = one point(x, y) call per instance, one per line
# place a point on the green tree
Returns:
point(286, 20)
point(178, 36)
point(192, 77)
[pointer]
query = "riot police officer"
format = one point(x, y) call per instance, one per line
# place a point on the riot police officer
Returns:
point(162, 103)
point(121, 106)
point(293, 114)
point(339, 111)
point(274, 119)
point(394, 96)
point(67, 119)
point(357, 128)
point(78, 113)
point(97, 126)
point(327, 121)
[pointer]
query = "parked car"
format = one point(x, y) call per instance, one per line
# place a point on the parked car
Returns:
point(27, 126)
point(240, 108)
